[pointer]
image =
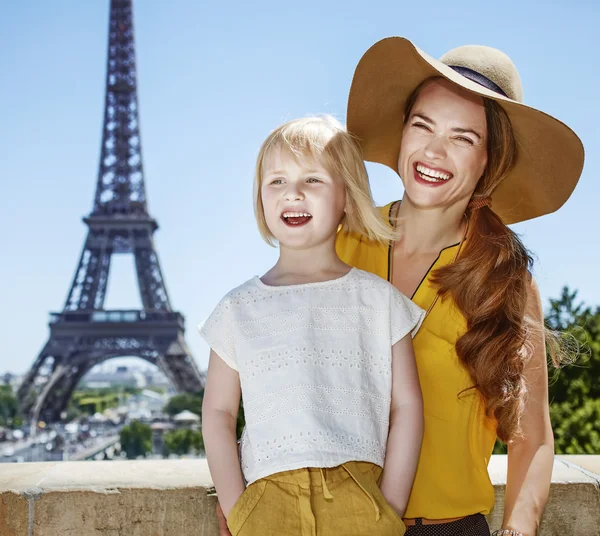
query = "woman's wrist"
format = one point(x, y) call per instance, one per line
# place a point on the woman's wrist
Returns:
point(507, 532)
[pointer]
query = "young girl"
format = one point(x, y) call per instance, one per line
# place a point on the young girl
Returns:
point(321, 354)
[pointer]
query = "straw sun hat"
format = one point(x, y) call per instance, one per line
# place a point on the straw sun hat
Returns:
point(550, 155)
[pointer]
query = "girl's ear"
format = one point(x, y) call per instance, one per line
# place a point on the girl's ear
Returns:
point(347, 208)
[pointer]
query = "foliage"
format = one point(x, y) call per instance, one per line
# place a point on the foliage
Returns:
point(136, 439)
point(9, 408)
point(575, 387)
point(241, 421)
point(190, 401)
point(183, 441)
point(193, 402)
point(87, 401)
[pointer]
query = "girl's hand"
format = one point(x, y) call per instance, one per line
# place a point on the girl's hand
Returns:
point(223, 530)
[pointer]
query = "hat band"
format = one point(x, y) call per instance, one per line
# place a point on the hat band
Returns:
point(479, 79)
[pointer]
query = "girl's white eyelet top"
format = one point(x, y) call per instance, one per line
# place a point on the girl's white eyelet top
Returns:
point(314, 362)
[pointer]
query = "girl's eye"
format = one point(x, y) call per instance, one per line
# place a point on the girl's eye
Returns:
point(313, 180)
point(277, 181)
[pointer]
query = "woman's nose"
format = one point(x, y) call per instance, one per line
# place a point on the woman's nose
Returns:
point(435, 148)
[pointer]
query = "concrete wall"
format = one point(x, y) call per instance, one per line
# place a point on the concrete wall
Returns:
point(173, 498)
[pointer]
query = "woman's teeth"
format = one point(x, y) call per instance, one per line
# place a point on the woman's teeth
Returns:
point(432, 175)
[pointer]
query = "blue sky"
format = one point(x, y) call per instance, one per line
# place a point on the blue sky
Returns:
point(214, 79)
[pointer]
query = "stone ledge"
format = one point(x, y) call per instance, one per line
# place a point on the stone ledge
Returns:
point(171, 498)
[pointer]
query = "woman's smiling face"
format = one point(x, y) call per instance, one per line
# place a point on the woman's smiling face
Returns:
point(444, 146)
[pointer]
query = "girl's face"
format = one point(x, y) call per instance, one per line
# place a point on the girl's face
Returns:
point(444, 146)
point(303, 203)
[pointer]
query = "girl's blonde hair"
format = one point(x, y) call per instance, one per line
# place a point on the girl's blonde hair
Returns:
point(325, 140)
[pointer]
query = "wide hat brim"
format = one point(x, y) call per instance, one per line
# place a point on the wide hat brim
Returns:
point(550, 155)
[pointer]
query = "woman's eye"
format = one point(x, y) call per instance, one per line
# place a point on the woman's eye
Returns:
point(421, 126)
point(277, 181)
point(313, 180)
point(462, 139)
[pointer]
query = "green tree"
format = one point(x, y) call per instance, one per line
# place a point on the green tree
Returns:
point(9, 408)
point(183, 441)
point(575, 386)
point(190, 401)
point(193, 402)
point(136, 439)
point(87, 401)
point(241, 421)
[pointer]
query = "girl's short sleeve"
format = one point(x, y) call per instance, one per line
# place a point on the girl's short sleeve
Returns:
point(405, 316)
point(217, 331)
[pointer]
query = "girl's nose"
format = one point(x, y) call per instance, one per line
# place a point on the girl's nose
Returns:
point(293, 193)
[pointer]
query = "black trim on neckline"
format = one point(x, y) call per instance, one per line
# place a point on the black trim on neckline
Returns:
point(389, 275)
point(431, 268)
point(389, 264)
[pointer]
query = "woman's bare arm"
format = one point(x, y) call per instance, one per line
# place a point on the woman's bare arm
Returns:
point(531, 458)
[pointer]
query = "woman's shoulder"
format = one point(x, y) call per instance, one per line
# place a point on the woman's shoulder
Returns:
point(357, 250)
point(386, 211)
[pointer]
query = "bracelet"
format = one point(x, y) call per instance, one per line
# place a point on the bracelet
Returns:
point(507, 532)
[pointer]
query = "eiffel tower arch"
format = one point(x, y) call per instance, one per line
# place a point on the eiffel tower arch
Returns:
point(84, 334)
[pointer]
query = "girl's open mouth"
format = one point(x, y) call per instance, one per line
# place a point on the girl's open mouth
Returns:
point(296, 219)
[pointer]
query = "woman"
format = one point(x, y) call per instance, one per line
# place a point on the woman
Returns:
point(472, 159)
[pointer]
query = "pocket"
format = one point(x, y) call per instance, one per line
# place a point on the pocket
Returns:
point(243, 507)
point(395, 517)
point(377, 474)
point(369, 480)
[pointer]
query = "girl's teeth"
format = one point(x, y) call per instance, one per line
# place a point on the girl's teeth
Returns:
point(296, 215)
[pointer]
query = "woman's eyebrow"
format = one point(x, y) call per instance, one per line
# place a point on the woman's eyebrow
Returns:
point(424, 117)
point(467, 131)
point(458, 130)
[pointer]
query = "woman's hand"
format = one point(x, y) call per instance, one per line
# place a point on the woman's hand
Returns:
point(223, 530)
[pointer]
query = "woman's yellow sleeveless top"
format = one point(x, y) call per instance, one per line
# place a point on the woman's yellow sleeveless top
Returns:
point(452, 478)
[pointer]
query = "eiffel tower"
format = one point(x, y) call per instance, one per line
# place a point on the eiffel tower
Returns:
point(84, 333)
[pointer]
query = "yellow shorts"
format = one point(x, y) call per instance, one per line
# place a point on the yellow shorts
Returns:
point(341, 501)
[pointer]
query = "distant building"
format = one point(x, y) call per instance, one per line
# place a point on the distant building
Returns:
point(155, 378)
point(121, 377)
point(149, 401)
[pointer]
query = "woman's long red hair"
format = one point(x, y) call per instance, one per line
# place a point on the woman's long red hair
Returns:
point(489, 284)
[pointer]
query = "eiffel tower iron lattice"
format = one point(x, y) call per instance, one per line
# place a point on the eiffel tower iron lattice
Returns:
point(84, 334)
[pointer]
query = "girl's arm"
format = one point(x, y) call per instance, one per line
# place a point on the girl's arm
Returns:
point(219, 417)
point(406, 427)
point(530, 459)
